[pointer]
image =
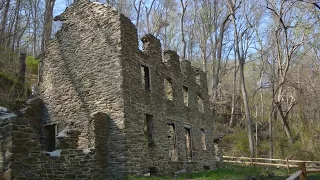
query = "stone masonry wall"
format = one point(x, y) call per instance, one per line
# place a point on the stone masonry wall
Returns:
point(139, 102)
point(91, 72)
point(25, 160)
point(6, 149)
point(82, 75)
point(22, 157)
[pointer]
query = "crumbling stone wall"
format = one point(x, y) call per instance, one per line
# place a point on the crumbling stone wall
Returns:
point(6, 145)
point(93, 69)
point(139, 102)
point(81, 75)
point(22, 157)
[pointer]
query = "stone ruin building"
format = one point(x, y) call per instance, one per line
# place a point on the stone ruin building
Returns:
point(107, 109)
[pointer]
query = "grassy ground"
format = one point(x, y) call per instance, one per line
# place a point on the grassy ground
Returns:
point(232, 172)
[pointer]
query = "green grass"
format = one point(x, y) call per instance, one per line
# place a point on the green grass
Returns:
point(231, 172)
point(7, 78)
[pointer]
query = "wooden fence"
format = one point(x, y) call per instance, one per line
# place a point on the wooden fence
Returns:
point(305, 167)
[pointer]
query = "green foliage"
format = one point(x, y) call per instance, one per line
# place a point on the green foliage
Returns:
point(228, 172)
point(7, 78)
point(7, 89)
point(239, 141)
point(32, 65)
point(9, 61)
point(263, 147)
point(12, 93)
point(298, 151)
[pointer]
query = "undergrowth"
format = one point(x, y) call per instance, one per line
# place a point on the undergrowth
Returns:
point(231, 172)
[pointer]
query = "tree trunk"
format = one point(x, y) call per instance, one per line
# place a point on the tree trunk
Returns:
point(214, 64)
point(148, 11)
point(241, 60)
point(16, 26)
point(48, 17)
point(184, 43)
point(285, 124)
point(271, 117)
point(246, 106)
point(233, 101)
point(284, 117)
point(35, 26)
point(204, 56)
point(138, 10)
point(284, 56)
point(216, 69)
point(22, 69)
point(256, 124)
point(21, 34)
point(4, 22)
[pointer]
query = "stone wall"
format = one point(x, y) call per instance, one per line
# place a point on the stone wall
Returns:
point(81, 75)
point(22, 157)
point(6, 146)
point(92, 71)
point(139, 102)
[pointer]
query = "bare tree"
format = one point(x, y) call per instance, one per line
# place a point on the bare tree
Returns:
point(148, 11)
point(184, 45)
point(233, 93)
point(4, 22)
point(138, 11)
point(204, 26)
point(286, 48)
point(35, 14)
point(48, 18)
point(241, 56)
point(217, 53)
point(15, 42)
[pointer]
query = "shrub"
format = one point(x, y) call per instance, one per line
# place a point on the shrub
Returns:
point(32, 65)
point(236, 144)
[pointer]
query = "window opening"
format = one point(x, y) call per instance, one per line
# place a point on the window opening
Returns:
point(152, 171)
point(185, 96)
point(168, 88)
point(187, 133)
point(203, 139)
point(50, 133)
point(216, 150)
point(148, 130)
point(200, 104)
point(198, 79)
point(172, 139)
point(145, 77)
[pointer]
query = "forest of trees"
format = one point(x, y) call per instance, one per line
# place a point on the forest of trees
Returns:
point(262, 59)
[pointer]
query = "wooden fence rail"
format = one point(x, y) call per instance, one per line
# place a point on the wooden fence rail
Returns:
point(302, 173)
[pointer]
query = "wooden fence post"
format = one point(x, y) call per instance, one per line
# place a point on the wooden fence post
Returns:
point(22, 68)
point(287, 163)
point(302, 167)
